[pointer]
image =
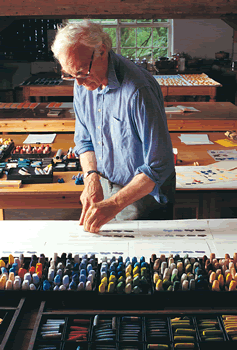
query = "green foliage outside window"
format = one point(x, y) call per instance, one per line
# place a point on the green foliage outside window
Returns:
point(137, 41)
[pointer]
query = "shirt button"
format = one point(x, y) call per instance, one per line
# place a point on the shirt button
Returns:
point(99, 110)
point(99, 142)
point(100, 158)
point(98, 127)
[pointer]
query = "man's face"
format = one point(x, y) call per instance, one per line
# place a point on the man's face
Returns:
point(79, 61)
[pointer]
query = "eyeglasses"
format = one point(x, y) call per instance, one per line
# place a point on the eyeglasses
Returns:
point(66, 76)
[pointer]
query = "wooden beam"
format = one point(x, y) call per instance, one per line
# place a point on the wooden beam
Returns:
point(5, 22)
point(231, 21)
point(119, 8)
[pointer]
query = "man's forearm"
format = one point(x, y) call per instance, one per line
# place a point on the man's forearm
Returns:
point(88, 161)
point(140, 186)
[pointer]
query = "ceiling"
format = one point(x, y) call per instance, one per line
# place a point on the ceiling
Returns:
point(120, 8)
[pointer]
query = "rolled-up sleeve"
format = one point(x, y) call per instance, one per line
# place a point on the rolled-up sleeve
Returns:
point(150, 123)
point(82, 138)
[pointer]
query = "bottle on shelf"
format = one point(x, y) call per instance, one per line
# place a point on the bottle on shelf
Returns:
point(181, 64)
point(144, 63)
point(151, 66)
point(177, 56)
point(137, 61)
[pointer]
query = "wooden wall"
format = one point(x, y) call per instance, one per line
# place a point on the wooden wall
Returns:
point(119, 8)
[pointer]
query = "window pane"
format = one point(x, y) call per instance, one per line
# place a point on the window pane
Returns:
point(159, 53)
point(160, 36)
point(144, 53)
point(112, 34)
point(129, 53)
point(128, 20)
point(75, 20)
point(109, 21)
point(160, 20)
point(128, 37)
point(144, 37)
point(144, 20)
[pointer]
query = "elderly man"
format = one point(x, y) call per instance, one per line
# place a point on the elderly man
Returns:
point(121, 132)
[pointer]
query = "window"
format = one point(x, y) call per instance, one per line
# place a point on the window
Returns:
point(139, 38)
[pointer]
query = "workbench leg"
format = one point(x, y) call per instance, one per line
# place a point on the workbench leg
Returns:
point(213, 94)
point(1, 214)
point(26, 93)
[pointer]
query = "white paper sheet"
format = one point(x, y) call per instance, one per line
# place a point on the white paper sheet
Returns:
point(195, 139)
point(189, 246)
point(193, 237)
point(40, 138)
point(223, 229)
point(220, 155)
point(205, 176)
point(222, 248)
point(181, 229)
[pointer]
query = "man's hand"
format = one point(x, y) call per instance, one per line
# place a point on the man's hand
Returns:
point(99, 214)
point(92, 193)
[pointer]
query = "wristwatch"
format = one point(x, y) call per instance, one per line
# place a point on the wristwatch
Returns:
point(90, 172)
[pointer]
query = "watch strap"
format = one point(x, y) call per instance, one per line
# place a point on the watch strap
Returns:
point(91, 172)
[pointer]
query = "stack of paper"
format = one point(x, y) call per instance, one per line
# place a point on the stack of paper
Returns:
point(180, 109)
point(195, 139)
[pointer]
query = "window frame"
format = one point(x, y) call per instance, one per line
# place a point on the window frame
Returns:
point(118, 25)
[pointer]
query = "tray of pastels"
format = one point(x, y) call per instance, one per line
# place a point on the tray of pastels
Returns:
point(122, 331)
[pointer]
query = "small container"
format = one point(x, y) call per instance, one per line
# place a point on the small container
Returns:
point(175, 153)
point(144, 63)
point(60, 167)
point(137, 62)
point(221, 55)
point(30, 155)
point(52, 328)
point(234, 66)
point(181, 64)
point(13, 174)
point(5, 150)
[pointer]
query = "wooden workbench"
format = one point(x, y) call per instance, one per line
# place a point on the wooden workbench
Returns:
point(214, 116)
point(65, 88)
point(168, 91)
point(33, 120)
point(190, 203)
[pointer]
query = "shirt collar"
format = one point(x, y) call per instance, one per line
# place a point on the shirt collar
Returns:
point(113, 82)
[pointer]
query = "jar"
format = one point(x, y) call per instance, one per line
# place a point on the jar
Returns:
point(181, 64)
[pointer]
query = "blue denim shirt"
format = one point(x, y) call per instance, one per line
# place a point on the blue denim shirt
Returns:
point(125, 125)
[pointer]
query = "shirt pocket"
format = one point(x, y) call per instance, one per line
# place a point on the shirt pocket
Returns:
point(121, 134)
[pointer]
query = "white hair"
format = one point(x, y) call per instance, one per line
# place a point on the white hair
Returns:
point(74, 34)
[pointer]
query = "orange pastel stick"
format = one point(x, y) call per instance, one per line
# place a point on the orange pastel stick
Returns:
point(20, 105)
point(57, 105)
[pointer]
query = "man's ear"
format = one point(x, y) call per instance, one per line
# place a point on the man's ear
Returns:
point(103, 50)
